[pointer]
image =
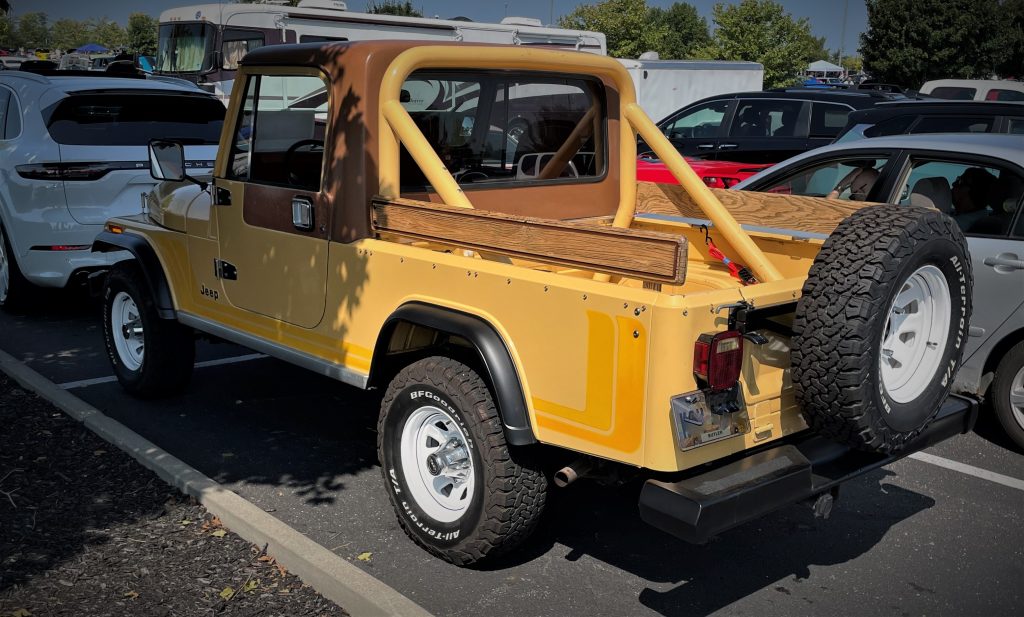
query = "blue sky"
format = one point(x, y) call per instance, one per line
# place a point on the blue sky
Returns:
point(826, 16)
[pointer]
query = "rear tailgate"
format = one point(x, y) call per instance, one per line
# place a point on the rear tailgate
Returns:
point(103, 138)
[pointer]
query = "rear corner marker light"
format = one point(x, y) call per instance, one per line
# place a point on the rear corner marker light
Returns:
point(718, 358)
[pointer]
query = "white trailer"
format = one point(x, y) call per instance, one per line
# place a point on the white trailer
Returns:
point(204, 43)
point(664, 86)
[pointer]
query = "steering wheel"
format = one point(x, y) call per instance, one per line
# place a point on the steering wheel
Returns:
point(294, 178)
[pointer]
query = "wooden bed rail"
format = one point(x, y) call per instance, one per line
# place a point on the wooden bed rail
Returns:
point(644, 255)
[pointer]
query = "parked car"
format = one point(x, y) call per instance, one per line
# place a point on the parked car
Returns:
point(74, 153)
point(979, 181)
point(12, 63)
point(974, 89)
point(763, 127)
point(715, 174)
point(930, 116)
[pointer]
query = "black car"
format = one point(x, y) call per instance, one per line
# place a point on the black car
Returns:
point(932, 116)
point(764, 127)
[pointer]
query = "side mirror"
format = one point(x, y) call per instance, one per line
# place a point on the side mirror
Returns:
point(166, 160)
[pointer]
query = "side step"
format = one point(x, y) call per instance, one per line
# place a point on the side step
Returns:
point(702, 506)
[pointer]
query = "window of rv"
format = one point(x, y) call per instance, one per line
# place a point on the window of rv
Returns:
point(236, 44)
point(502, 128)
point(185, 48)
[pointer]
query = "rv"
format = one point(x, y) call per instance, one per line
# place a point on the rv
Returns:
point(204, 43)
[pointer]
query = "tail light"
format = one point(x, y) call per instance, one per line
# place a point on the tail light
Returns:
point(718, 358)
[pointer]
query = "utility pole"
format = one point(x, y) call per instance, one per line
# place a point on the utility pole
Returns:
point(551, 18)
point(842, 36)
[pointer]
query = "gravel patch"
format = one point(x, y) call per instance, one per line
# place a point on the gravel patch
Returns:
point(86, 530)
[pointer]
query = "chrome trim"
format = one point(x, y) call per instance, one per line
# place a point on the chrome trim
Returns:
point(298, 358)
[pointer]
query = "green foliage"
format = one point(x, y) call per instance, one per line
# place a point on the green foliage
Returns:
point(68, 34)
point(1011, 62)
point(625, 23)
point(7, 32)
point(762, 31)
point(853, 64)
point(33, 30)
point(142, 33)
point(108, 34)
point(909, 42)
point(685, 31)
point(393, 7)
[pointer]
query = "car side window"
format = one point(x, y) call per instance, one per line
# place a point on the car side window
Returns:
point(5, 109)
point(981, 198)
point(954, 124)
point(846, 179)
point(765, 118)
point(279, 138)
point(702, 121)
point(997, 94)
point(827, 119)
point(1016, 126)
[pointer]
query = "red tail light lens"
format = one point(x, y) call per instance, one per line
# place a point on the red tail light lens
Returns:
point(718, 358)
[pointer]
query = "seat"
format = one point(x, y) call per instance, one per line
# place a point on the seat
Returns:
point(750, 124)
point(932, 193)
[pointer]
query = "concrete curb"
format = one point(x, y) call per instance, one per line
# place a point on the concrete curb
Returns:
point(336, 579)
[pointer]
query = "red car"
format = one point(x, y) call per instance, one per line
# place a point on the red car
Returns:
point(716, 174)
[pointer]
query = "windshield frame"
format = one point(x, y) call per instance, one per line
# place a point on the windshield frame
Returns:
point(208, 32)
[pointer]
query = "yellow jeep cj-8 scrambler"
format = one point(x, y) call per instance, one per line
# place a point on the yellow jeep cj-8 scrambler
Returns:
point(461, 227)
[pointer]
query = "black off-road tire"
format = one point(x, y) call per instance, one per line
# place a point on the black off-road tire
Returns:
point(170, 350)
point(509, 493)
point(999, 393)
point(843, 314)
point(19, 290)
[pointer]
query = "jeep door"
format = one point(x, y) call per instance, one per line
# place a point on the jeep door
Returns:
point(272, 212)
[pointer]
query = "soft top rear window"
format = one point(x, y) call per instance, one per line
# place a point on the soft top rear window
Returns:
point(120, 119)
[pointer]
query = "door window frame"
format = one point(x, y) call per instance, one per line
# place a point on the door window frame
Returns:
point(723, 127)
point(880, 186)
point(802, 118)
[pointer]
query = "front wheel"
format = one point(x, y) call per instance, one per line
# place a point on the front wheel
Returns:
point(1007, 393)
point(457, 489)
point(151, 357)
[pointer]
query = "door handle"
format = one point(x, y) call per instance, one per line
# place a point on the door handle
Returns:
point(728, 146)
point(302, 213)
point(1005, 262)
point(705, 146)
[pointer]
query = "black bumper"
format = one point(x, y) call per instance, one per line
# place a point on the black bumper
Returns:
point(701, 506)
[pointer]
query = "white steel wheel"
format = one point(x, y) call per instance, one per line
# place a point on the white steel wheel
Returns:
point(1017, 397)
point(126, 327)
point(915, 334)
point(437, 464)
point(5, 272)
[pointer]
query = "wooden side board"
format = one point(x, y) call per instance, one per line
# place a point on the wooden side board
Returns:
point(814, 214)
point(644, 255)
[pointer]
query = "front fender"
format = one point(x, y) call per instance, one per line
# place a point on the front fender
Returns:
point(149, 263)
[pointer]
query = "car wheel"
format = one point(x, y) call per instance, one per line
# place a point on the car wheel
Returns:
point(457, 488)
point(1007, 393)
point(151, 357)
point(14, 287)
point(881, 326)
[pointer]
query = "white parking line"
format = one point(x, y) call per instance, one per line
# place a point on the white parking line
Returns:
point(970, 470)
point(84, 383)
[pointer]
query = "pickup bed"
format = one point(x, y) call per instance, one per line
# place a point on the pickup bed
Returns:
point(460, 227)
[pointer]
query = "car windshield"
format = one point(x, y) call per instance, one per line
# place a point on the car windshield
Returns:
point(185, 48)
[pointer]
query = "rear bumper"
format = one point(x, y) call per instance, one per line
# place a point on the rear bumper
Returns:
point(56, 268)
point(701, 506)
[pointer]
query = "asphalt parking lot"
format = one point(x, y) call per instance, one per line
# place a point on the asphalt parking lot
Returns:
point(917, 537)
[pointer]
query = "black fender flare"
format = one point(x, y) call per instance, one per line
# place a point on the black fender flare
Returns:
point(149, 263)
point(488, 343)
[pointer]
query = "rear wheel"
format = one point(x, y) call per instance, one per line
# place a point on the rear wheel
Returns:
point(151, 357)
point(881, 326)
point(1007, 393)
point(457, 488)
point(14, 287)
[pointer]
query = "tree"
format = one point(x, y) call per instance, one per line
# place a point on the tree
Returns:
point(142, 33)
point(7, 32)
point(685, 31)
point(393, 7)
point(69, 34)
point(109, 34)
point(762, 31)
point(853, 64)
point(625, 23)
point(1011, 61)
point(909, 42)
point(33, 30)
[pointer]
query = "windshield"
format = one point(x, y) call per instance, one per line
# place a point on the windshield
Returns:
point(185, 48)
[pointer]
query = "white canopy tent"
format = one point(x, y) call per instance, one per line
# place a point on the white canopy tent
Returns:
point(824, 68)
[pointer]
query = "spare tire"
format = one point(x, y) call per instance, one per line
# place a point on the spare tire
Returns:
point(881, 327)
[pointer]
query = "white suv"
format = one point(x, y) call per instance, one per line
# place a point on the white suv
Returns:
point(73, 153)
